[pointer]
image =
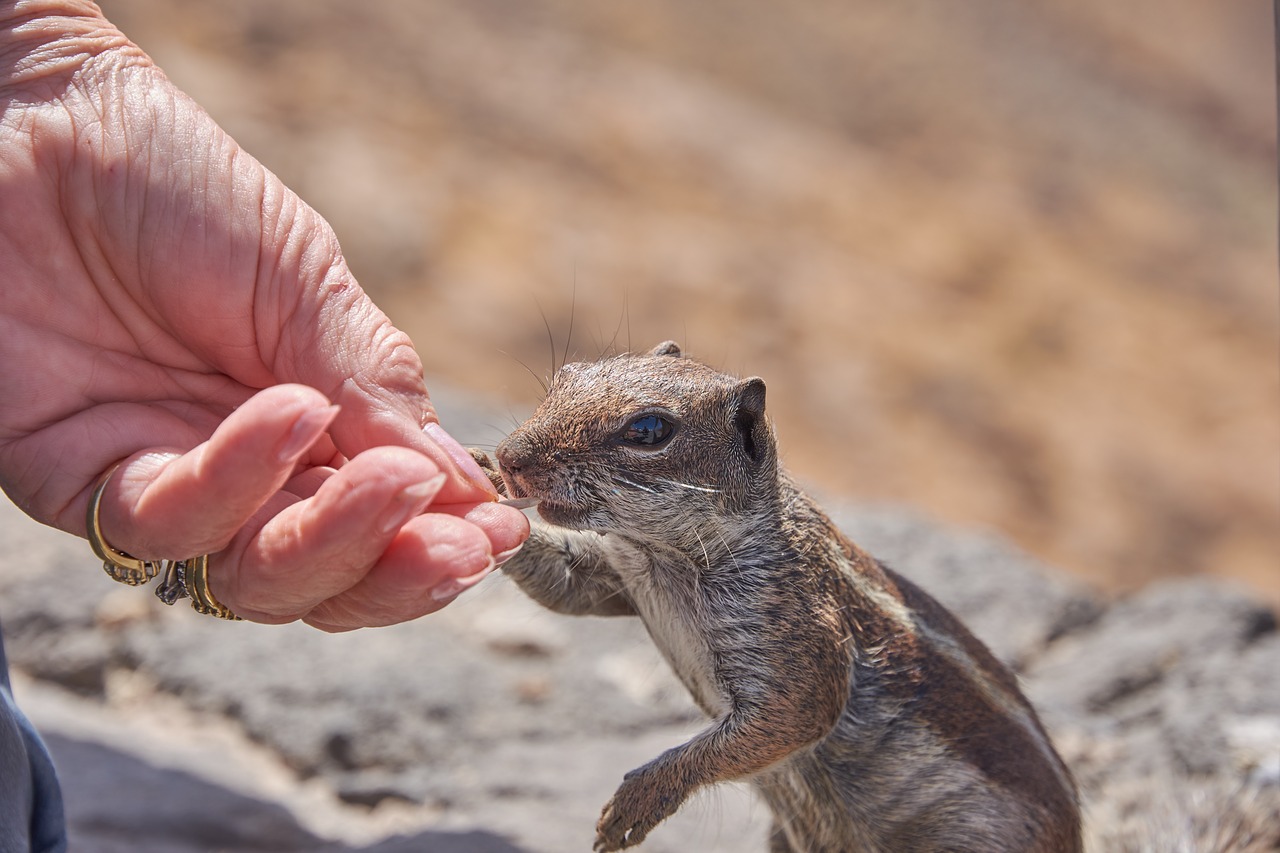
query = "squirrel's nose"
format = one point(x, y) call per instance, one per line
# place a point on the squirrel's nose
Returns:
point(513, 454)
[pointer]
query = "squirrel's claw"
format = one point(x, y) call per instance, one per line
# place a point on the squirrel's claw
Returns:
point(642, 801)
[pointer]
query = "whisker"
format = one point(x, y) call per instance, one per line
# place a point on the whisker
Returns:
point(705, 556)
point(622, 317)
point(573, 310)
point(597, 340)
point(515, 421)
point(624, 481)
point(551, 338)
point(711, 490)
point(536, 378)
point(500, 429)
point(728, 550)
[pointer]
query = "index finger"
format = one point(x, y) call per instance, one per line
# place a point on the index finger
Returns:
point(381, 391)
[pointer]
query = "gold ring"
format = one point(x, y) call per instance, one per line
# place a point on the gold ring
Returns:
point(195, 577)
point(182, 578)
point(121, 567)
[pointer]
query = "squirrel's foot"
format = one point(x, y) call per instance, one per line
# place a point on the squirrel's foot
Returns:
point(485, 461)
point(646, 797)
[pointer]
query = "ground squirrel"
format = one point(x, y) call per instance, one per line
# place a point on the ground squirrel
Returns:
point(864, 713)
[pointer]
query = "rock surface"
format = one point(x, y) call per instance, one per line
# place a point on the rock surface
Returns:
point(498, 727)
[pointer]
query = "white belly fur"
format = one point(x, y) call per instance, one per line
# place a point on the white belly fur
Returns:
point(668, 609)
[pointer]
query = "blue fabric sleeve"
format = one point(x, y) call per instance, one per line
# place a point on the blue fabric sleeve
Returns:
point(31, 816)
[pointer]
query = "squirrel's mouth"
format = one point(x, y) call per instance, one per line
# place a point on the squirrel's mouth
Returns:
point(551, 512)
point(522, 494)
point(562, 514)
point(520, 503)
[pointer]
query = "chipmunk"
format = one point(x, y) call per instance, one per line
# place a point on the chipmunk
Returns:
point(865, 714)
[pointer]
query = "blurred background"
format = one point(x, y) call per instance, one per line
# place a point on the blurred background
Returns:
point(1012, 264)
point(1005, 266)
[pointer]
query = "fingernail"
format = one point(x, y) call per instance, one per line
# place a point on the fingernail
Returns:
point(499, 559)
point(306, 429)
point(454, 587)
point(466, 465)
point(408, 503)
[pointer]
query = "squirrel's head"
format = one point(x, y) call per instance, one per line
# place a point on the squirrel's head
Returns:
point(643, 444)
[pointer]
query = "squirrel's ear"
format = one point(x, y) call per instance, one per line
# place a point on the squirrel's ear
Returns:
point(670, 348)
point(748, 416)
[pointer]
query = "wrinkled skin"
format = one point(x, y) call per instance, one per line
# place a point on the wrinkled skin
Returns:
point(168, 304)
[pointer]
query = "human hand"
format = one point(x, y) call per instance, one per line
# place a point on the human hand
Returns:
point(167, 302)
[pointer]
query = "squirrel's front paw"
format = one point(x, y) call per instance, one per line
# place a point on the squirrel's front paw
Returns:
point(645, 798)
point(486, 464)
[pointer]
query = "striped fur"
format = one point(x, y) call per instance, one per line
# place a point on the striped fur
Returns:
point(866, 715)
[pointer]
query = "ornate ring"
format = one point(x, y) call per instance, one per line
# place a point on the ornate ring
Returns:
point(121, 567)
point(182, 578)
point(195, 578)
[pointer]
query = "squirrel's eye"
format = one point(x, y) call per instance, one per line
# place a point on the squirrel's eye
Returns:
point(649, 430)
